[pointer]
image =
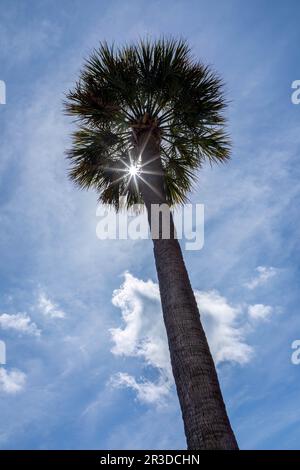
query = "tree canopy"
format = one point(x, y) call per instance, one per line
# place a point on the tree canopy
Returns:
point(150, 86)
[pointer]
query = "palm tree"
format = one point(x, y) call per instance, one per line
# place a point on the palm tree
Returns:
point(149, 116)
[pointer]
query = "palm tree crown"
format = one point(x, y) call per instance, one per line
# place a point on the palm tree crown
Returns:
point(155, 87)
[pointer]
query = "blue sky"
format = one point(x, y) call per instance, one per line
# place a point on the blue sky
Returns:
point(87, 364)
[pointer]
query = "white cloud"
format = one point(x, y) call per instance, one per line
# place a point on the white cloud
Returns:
point(144, 336)
point(147, 391)
point(264, 274)
point(144, 333)
point(20, 322)
point(222, 324)
point(48, 308)
point(260, 311)
point(12, 382)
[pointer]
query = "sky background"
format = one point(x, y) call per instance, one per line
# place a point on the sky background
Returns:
point(87, 363)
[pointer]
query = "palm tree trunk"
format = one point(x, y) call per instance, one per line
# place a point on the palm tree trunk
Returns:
point(204, 414)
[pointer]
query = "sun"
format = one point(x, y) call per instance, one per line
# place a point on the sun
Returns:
point(133, 170)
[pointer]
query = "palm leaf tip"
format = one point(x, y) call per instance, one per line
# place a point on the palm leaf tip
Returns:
point(152, 83)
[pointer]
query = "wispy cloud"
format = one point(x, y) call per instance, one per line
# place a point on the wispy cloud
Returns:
point(260, 311)
point(264, 274)
point(20, 322)
point(24, 43)
point(12, 382)
point(49, 308)
point(146, 390)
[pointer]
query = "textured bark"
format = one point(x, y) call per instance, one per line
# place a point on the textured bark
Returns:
point(204, 414)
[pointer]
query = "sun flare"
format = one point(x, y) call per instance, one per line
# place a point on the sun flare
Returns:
point(133, 170)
